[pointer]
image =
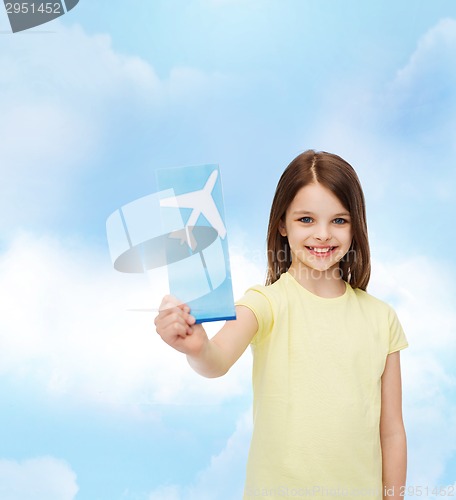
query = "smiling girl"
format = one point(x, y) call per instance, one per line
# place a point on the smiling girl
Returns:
point(327, 405)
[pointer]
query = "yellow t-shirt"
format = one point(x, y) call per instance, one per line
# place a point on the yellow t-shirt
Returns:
point(317, 367)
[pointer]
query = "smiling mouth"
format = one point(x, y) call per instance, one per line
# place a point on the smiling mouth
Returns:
point(321, 251)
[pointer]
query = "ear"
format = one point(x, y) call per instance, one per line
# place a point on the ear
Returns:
point(282, 228)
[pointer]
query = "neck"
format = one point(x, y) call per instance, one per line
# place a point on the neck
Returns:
point(326, 283)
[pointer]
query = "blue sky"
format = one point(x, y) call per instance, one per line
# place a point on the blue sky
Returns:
point(94, 405)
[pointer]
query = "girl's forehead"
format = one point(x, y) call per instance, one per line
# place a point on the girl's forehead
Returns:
point(314, 197)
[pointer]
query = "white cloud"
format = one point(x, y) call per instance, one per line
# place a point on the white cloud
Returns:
point(433, 56)
point(166, 493)
point(71, 64)
point(64, 326)
point(57, 91)
point(64, 329)
point(421, 99)
point(419, 107)
point(399, 133)
point(423, 295)
point(69, 98)
point(37, 479)
point(188, 87)
point(223, 478)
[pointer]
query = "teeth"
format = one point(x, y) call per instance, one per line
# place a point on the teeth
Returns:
point(321, 250)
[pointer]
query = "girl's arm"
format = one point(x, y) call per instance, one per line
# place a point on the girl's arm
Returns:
point(210, 358)
point(392, 432)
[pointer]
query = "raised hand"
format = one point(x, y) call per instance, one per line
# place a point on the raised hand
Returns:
point(176, 326)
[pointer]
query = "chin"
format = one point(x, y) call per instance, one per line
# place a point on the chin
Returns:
point(323, 269)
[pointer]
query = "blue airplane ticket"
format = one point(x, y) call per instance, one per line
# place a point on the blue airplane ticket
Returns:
point(197, 252)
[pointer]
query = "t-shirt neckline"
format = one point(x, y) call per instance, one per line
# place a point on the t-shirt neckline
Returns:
point(307, 292)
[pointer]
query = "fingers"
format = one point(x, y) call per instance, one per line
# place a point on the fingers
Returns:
point(172, 307)
point(174, 319)
point(169, 302)
point(174, 323)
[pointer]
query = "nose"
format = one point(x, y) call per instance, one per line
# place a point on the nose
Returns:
point(322, 233)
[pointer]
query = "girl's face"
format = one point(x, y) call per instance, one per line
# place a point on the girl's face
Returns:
point(318, 228)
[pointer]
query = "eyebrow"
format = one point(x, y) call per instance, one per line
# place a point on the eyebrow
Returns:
point(308, 212)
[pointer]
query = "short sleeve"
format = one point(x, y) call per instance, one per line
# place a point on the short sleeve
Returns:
point(259, 304)
point(397, 338)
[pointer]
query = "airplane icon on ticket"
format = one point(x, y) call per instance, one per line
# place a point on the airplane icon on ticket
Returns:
point(180, 227)
point(202, 203)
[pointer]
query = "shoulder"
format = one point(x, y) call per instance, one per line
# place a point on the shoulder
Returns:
point(384, 315)
point(264, 301)
point(368, 301)
point(270, 293)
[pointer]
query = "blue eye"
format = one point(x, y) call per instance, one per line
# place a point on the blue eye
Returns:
point(306, 220)
point(340, 221)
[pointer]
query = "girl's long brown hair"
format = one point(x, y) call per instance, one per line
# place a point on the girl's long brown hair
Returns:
point(335, 174)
